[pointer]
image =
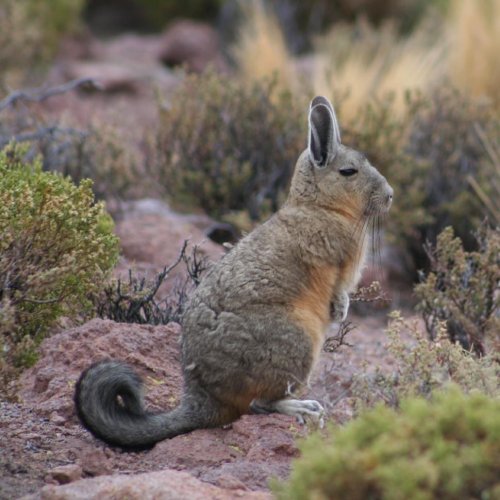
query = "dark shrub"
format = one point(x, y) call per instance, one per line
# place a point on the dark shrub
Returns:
point(225, 145)
point(444, 135)
point(137, 300)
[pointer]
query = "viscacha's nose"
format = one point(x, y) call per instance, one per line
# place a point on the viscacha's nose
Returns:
point(390, 193)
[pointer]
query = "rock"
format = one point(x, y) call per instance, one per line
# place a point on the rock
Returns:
point(65, 474)
point(131, 47)
point(78, 45)
point(255, 448)
point(193, 44)
point(160, 485)
point(95, 462)
point(124, 64)
point(248, 452)
point(49, 385)
point(57, 419)
point(165, 231)
point(111, 77)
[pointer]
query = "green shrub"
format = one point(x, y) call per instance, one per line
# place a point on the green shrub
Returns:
point(421, 366)
point(225, 145)
point(56, 247)
point(30, 31)
point(462, 289)
point(446, 448)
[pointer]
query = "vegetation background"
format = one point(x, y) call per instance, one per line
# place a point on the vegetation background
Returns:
point(216, 128)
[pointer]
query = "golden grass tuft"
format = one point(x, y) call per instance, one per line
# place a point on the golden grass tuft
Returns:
point(474, 31)
point(260, 50)
point(358, 63)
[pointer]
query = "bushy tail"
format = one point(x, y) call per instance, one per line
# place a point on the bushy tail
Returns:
point(109, 403)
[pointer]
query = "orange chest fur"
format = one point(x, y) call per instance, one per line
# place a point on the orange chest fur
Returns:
point(311, 310)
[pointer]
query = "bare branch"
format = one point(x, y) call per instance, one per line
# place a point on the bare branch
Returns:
point(41, 134)
point(136, 301)
point(333, 343)
point(40, 95)
point(47, 301)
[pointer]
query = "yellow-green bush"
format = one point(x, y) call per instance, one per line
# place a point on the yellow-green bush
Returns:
point(462, 289)
point(420, 366)
point(226, 145)
point(446, 448)
point(56, 247)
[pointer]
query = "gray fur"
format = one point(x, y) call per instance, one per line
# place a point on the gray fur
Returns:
point(255, 325)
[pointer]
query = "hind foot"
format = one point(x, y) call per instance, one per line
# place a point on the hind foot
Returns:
point(300, 409)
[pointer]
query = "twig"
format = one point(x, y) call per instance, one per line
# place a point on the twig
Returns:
point(42, 133)
point(333, 343)
point(39, 95)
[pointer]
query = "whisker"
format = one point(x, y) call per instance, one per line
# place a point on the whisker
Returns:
point(379, 250)
point(358, 226)
point(363, 234)
point(373, 248)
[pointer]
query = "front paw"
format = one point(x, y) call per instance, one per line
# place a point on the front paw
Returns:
point(339, 307)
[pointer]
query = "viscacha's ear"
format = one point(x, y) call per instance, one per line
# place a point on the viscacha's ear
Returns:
point(324, 132)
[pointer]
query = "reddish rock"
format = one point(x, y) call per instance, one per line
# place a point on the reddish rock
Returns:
point(161, 485)
point(193, 44)
point(65, 474)
point(95, 462)
point(151, 237)
point(49, 385)
point(151, 232)
point(110, 76)
point(130, 47)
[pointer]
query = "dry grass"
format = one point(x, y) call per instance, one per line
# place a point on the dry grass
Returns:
point(359, 63)
point(474, 32)
point(356, 63)
point(260, 50)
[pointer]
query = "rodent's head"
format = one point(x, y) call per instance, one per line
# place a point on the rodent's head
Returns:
point(333, 176)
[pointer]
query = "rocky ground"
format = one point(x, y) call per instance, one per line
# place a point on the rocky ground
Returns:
point(45, 453)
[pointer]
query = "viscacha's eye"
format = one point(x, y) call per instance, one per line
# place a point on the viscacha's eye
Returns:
point(347, 172)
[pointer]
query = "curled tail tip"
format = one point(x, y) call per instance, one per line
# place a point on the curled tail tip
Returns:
point(108, 402)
